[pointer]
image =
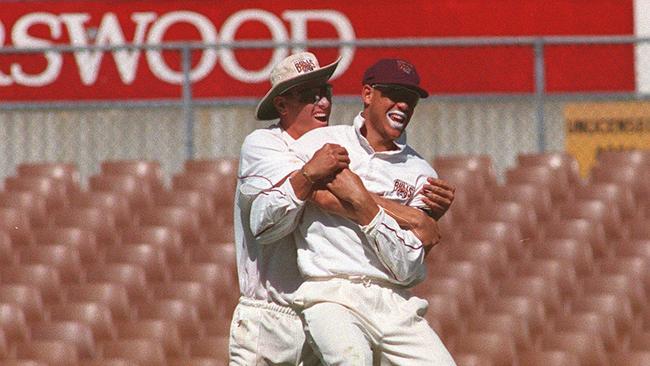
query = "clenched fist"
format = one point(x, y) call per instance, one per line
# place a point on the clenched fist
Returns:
point(326, 162)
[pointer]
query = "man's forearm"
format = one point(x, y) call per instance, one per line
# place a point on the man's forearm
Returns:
point(420, 223)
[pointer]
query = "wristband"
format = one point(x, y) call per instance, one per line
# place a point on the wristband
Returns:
point(304, 174)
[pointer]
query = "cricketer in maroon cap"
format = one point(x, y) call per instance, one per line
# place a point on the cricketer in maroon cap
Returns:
point(360, 275)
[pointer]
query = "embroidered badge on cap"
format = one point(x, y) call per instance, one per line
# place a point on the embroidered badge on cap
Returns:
point(304, 65)
point(405, 66)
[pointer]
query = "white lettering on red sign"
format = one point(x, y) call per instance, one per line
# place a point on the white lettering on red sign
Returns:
point(150, 28)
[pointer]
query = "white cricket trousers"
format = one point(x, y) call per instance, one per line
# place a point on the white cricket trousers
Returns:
point(263, 333)
point(365, 324)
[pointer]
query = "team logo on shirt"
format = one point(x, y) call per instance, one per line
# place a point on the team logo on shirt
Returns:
point(403, 189)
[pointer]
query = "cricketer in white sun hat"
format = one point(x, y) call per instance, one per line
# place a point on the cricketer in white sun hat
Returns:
point(294, 70)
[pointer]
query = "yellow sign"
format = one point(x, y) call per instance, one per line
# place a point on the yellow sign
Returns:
point(595, 127)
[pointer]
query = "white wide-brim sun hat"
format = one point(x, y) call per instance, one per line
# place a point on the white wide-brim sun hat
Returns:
point(296, 69)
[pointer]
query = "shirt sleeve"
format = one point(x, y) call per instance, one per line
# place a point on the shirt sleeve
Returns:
point(399, 250)
point(274, 208)
point(416, 200)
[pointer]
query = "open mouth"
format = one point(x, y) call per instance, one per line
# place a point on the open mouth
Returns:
point(322, 117)
point(396, 119)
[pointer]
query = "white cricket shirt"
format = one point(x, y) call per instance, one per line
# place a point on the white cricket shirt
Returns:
point(266, 272)
point(330, 245)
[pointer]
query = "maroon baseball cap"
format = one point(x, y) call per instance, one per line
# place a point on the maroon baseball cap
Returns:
point(394, 71)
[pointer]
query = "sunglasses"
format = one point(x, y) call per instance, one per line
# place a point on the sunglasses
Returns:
point(312, 95)
point(396, 92)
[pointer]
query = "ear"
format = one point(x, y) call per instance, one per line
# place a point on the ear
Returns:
point(280, 105)
point(366, 94)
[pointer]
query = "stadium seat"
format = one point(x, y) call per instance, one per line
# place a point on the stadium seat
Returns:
point(149, 256)
point(146, 170)
point(132, 276)
point(587, 347)
point(9, 362)
point(165, 332)
point(631, 358)
point(530, 309)
point(183, 313)
point(54, 353)
point(145, 352)
point(537, 287)
point(138, 192)
point(223, 192)
point(480, 163)
point(100, 222)
point(75, 237)
point(467, 182)
point(510, 211)
point(13, 323)
point(600, 213)
point(564, 163)
point(635, 158)
point(444, 312)
point(544, 176)
point(218, 278)
point(52, 190)
point(223, 166)
point(187, 221)
point(639, 340)
point(627, 176)
point(492, 254)
point(578, 253)
point(164, 237)
point(457, 288)
point(212, 347)
point(76, 333)
point(547, 358)
point(43, 277)
point(559, 271)
point(27, 297)
point(195, 361)
point(217, 327)
point(582, 230)
point(620, 285)
point(472, 359)
point(195, 293)
point(65, 172)
point(114, 203)
point(632, 266)
point(15, 222)
point(498, 231)
point(226, 167)
point(29, 202)
point(66, 260)
point(193, 199)
point(220, 254)
point(640, 228)
point(108, 362)
point(590, 322)
point(615, 306)
point(475, 273)
point(499, 347)
point(7, 254)
point(527, 194)
point(94, 314)
point(510, 324)
point(634, 247)
point(614, 195)
point(224, 234)
point(112, 295)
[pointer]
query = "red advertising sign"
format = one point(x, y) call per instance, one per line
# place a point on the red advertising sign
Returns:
point(226, 72)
